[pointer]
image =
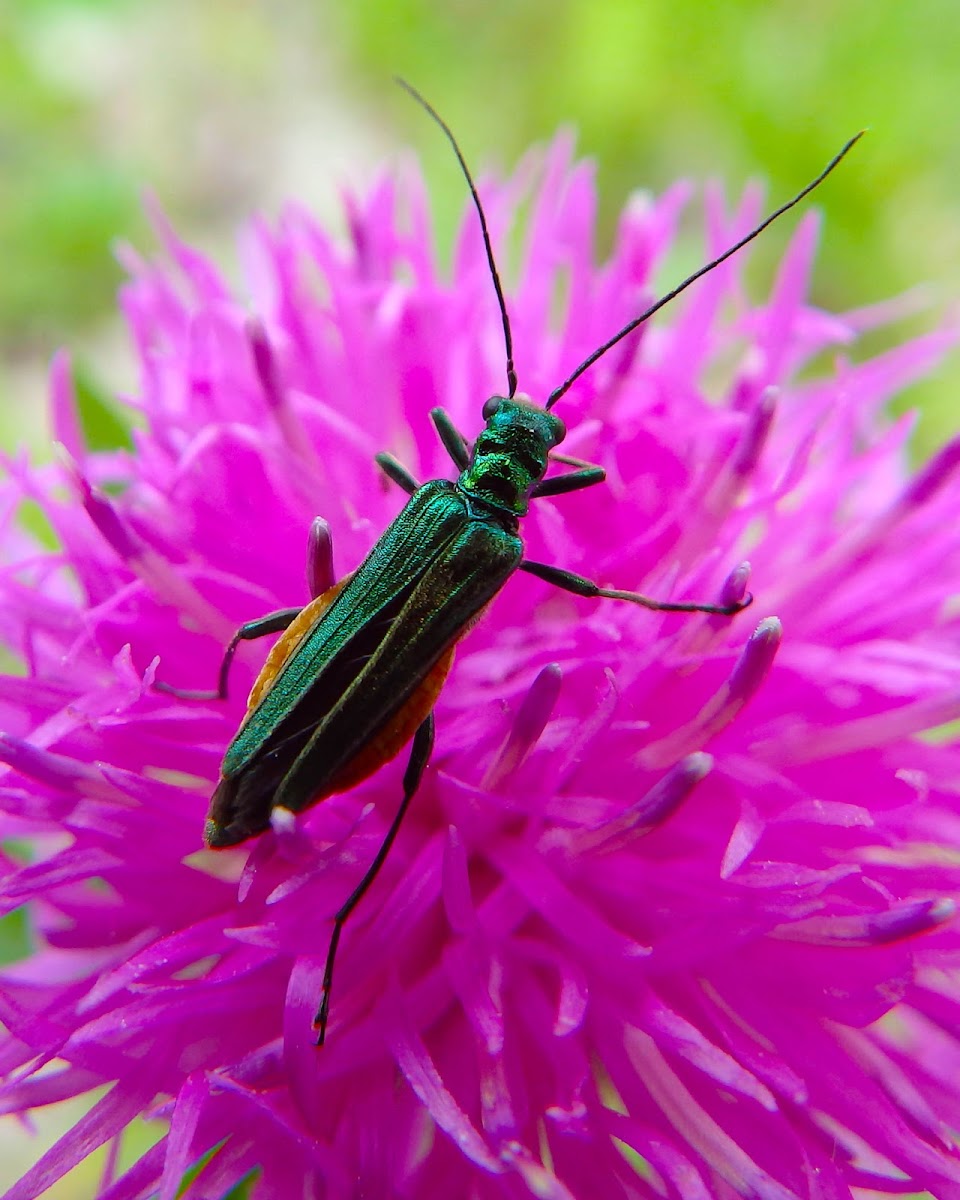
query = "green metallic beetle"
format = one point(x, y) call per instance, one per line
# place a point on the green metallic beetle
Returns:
point(357, 671)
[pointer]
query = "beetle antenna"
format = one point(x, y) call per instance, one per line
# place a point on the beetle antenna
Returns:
point(505, 320)
point(682, 287)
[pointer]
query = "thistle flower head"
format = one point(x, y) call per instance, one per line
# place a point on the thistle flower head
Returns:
point(653, 924)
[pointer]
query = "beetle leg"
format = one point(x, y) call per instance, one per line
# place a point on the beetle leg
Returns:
point(419, 757)
point(396, 472)
point(585, 587)
point(274, 622)
point(453, 440)
point(572, 481)
point(569, 460)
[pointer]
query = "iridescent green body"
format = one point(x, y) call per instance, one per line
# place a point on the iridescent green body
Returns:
point(437, 564)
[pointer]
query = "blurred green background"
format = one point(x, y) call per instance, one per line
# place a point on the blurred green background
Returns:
point(223, 107)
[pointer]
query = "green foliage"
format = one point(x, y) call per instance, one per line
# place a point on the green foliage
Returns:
point(101, 423)
point(64, 201)
point(662, 90)
point(14, 936)
point(193, 1171)
point(241, 1190)
point(656, 90)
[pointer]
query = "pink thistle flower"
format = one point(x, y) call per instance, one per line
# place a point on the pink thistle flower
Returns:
point(652, 927)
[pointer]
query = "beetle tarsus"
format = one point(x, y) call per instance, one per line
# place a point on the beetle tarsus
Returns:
point(571, 582)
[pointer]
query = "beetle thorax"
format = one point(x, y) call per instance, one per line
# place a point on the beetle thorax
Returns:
point(510, 455)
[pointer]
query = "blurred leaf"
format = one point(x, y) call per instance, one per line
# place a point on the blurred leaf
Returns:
point(194, 1170)
point(101, 421)
point(14, 936)
point(243, 1188)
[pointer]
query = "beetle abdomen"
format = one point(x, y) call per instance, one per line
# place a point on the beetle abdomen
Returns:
point(348, 683)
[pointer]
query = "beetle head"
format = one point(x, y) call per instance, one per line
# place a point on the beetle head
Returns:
point(510, 455)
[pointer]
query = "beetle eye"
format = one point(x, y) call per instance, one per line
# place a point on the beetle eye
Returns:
point(490, 407)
